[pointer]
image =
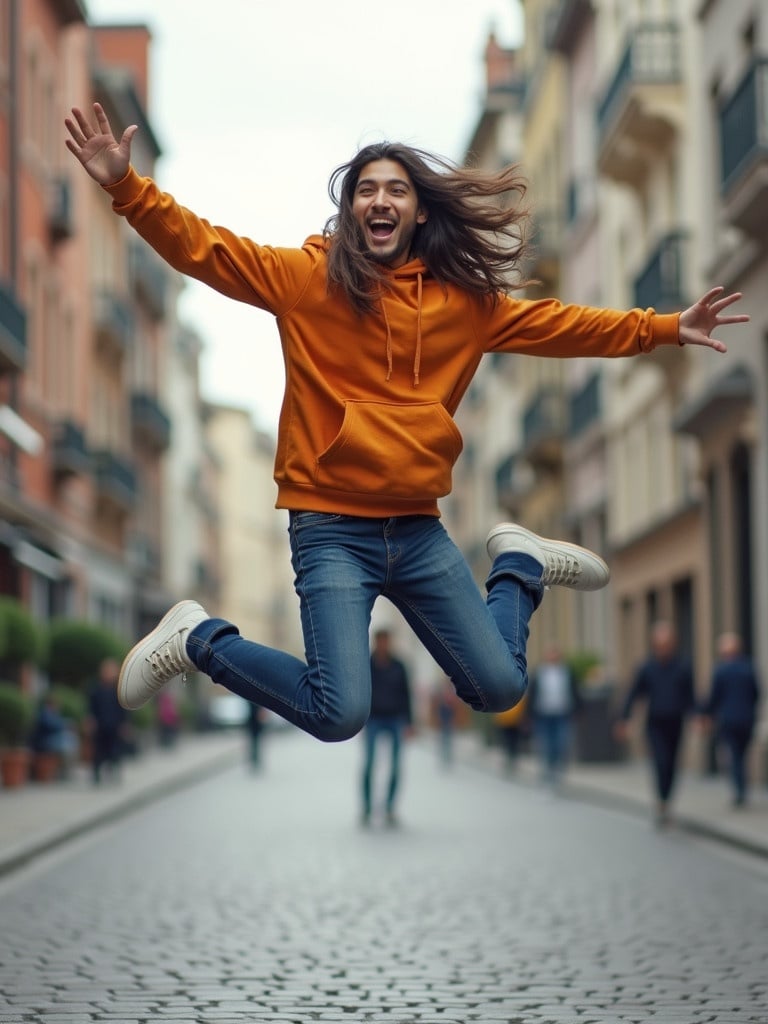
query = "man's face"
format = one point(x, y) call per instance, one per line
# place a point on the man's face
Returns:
point(386, 207)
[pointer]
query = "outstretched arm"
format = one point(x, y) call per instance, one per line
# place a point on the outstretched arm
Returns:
point(97, 149)
point(699, 320)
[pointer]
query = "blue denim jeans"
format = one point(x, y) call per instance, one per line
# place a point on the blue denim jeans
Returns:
point(342, 564)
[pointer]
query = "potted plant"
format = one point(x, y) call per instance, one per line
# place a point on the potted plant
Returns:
point(15, 720)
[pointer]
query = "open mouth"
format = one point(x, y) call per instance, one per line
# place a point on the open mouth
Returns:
point(381, 228)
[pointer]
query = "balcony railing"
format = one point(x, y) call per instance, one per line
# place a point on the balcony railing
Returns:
point(13, 332)
point(544, 426)
point(643, 108)
point(661, 282)
point(60, 220)
point(652, 57)
point(115, 480)
point(114, 322)
point(150, 278)
point(514, 479)
point(584, 406)
point(69, 454)
point(744, 150)
point(150, 424)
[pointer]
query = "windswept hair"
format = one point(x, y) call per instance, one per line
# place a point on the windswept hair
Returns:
point(470, 238)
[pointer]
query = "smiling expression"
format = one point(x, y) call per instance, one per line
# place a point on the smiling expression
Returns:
point(386, 208)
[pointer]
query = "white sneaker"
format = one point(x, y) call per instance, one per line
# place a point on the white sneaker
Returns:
point(160, 656)
point(565, 565)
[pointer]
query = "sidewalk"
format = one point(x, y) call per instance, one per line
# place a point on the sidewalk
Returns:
point(39, 817)
point(700, 805)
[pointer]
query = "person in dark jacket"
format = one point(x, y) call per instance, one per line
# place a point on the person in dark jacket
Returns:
point(732, 707)
point(665, 683)
point(107, 720)
point(391, 715)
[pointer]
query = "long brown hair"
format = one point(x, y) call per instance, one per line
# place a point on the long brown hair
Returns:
point(468, 238)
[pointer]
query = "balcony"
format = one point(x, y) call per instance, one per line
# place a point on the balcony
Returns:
point(584, 406)
point(113, 320)
point(660, 283)
point(69, 454)
point(546, 247)
point(61, 222)
point(150, 279)
point(744, 152)
point(544, 428)
point(641, 110)
point(115, 481)
point(13, 332)
point(580, 199)
point(151, 426)
point(514, 480)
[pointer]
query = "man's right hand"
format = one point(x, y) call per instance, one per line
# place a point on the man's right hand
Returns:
point(97, 149)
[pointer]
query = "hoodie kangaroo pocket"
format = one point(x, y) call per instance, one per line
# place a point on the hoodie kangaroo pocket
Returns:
point(404, 451)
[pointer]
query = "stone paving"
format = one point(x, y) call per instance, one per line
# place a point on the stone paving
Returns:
point(258, 898)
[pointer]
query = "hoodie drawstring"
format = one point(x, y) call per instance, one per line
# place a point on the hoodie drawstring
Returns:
point(417, 355)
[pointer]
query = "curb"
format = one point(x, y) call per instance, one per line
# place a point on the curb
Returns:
point(15, 857)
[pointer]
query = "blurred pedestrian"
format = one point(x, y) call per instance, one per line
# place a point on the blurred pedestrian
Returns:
point(512, 728)
point(664, 682)
point(445, 710)
point(391, 716)
point(106, 720)
point(553, 700)
point(54, 734)
point(732, 708)
point(383, 320)
point(254, 724)
point(168, 718)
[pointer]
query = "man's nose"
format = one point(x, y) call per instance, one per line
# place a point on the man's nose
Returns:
point(381, 199)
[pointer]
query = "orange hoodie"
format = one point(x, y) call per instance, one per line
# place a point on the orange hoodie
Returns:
point(366, 427)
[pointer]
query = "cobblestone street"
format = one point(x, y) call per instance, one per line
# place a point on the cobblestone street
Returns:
point(258, 897)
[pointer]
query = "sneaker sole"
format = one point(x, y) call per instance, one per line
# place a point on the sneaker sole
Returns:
point(578, 552)
point(135, 654)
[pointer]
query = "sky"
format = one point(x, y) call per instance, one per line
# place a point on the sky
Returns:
point(255, 102)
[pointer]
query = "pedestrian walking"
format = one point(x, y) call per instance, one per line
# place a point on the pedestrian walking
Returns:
point(553, 700)
point(732, 708)
point(445, 711)
point(106, 720)
point(383, 320)
point(390, 716)
point(665, 683)
point(512, 728)
point(254, 725)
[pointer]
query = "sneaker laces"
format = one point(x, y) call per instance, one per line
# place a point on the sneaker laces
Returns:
point(561, 569)
point(169, 660)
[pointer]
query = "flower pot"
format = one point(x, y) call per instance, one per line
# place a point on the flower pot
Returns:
point(46, 767)
point(14, 767)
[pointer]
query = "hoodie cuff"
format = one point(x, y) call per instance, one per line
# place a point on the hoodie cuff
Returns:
point(123, 192)
point(665, 330)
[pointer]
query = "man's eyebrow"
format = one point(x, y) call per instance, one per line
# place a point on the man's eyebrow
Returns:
point(389, 181)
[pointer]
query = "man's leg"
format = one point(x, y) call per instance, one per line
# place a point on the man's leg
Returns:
point(395, 735)
point(339, 563)
point(370, 735)
point(480, 645)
